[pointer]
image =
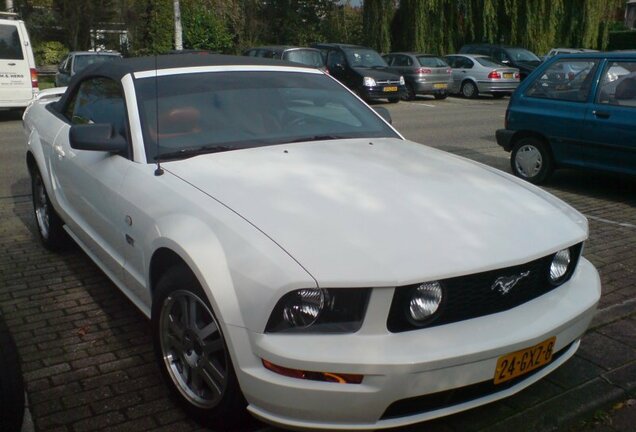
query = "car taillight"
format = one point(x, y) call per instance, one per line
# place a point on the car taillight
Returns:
point(424, 71)
point(34, 78)
point(494, 75)
point(517, 75)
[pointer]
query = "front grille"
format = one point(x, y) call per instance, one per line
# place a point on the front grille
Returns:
point(473, 296)
point(388, 82)
point(448, 398)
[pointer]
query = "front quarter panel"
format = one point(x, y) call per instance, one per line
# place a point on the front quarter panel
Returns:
point(242, 270)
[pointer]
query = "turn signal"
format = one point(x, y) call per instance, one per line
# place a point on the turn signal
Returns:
point(34, 78)
point(314, 376)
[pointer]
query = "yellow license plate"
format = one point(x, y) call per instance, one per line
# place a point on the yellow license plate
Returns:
point(390, 89)
point(507, 75)
point(440, 86)
point(521, 362)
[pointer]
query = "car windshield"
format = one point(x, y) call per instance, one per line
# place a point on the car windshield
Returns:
point(522, 55)
point(190, 113)
point(306, 57)
point(427, 61)
point(488, 62)
point(82, 61)
point(364, 57)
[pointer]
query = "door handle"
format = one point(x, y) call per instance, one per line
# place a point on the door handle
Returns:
point(11, 64)
point(601, 114)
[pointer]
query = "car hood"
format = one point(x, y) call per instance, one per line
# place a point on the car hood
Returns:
point(377, 73)
point(384, 212)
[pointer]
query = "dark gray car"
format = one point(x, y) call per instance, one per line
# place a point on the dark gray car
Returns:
point(77, 60)
point(307, 56)
point(424, 73)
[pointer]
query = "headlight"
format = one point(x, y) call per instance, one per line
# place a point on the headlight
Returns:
point(320, 310)
point(368, 82)
point(425, 301)
point(402, 82)
point(560, 265)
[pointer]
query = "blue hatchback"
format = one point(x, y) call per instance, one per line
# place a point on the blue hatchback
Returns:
point(575, 111)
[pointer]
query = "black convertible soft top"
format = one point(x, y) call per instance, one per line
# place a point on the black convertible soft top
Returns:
point(119, 68)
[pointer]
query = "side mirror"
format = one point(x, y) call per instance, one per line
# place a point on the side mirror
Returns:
point(97, 137)
point(506, 62)
point(384, 113)
point(338, 67)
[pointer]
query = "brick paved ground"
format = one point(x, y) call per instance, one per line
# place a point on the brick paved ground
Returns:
point(87, 356)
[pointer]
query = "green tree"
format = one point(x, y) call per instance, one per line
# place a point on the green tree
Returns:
point(203, 28)
point(376, 22)
point(151, 26)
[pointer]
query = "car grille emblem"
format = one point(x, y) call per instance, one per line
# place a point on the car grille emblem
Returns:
point(504, 284)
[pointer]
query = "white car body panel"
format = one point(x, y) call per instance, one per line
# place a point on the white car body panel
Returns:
point(16, 89)
point(255, 224)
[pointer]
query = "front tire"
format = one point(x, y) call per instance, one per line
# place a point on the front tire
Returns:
point(394, 100)
point(49, 224)
point(531, 160)
point(192, 354)
point(469, 90)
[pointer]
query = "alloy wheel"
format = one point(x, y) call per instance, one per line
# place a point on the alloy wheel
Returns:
point(41, 207)
point(193, 349)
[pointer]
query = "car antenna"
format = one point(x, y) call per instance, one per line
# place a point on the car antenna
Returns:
point(159, 171)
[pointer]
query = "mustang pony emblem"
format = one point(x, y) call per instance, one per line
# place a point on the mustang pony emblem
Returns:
point(504, 284)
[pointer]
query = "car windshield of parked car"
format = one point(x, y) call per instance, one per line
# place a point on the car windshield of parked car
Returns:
point(366, 58)
point(82, 61)
point(523, 55)
point(306, 57)
point(427, 61)
point(186, 114)
point(488, 62)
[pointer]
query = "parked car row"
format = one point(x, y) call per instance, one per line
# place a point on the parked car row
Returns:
point(404, 75)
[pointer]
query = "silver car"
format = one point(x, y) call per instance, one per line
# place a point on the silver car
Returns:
point(423, 73)
point(476, 74)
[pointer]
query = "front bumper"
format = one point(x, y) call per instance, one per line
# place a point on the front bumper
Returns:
point(378, 92)
point(398, 366)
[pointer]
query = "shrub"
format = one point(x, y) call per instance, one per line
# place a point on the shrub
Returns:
point(50, 52)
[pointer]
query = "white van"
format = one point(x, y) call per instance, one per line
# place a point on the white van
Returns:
point(18, 76)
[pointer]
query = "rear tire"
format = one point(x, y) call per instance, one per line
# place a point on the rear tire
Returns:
point(11, 383)
point(394, 100)
point(469, 90)
point(531, 160)
point(49, 224)
point(191, 352)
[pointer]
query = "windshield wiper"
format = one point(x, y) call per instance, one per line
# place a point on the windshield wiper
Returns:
point(314, 138)
point(185, 153)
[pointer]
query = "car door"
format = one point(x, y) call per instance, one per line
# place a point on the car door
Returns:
point(337, 66)
point(610, 119)
point(555, 105)
point(462, 71)
point(89, 182)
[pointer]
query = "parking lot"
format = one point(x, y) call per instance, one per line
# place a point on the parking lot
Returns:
point(87, 353)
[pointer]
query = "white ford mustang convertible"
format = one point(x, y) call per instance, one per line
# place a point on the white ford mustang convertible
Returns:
point(297, 257)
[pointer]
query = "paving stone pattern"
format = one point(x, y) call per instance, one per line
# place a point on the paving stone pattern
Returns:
point(87, 353)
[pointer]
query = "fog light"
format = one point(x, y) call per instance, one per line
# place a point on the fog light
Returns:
point(425, 300)
point(560, 265)
point(304, 308)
